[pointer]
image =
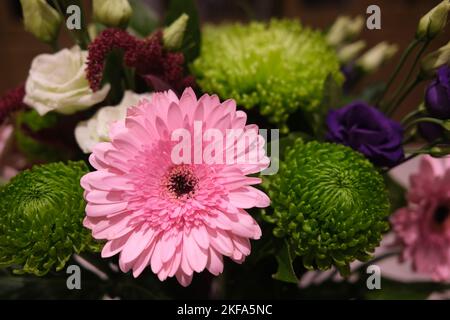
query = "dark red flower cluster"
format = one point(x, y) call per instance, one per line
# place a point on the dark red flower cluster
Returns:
point(107, 41)
point(159, 67)
point(12, 101)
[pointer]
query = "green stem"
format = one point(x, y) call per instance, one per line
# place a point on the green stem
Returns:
point(397, 100)
point(416, 60)
point(425, 119)
point(130, 78)
point(409, 138)
point(415, 153)
point(410, 116)
point(55, 45)
point(403, 59)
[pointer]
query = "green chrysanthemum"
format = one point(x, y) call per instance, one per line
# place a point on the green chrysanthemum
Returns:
point(41, 214)
point(330, 203)
point(278, 67)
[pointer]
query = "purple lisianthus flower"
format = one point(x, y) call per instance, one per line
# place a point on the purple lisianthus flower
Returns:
point(437, 103)
point(437, 97)
point(367, 130)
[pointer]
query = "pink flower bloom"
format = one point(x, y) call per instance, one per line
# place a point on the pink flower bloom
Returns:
point(423, 228)
point(176, 218)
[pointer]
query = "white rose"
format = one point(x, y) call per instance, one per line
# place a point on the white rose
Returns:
point(57, 82)
point(96, 129)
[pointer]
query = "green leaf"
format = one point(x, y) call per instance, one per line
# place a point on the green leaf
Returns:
point(143, 20)
point(285, 270)
point(36, 122)
point(192, 37)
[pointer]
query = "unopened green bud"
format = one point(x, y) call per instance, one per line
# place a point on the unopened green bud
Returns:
point(431, 24)
point(40, 19)
point(112, 13)
point(173, 35)
point(435, 60)
point(439, 151)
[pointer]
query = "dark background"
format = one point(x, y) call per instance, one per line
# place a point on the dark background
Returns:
point(399, 20)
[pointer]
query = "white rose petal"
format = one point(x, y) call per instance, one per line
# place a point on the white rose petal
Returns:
point(89, 133)
point(57, 82)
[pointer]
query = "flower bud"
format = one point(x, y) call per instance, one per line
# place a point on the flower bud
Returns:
point(437, 95)
point(112, 13)
point(40, 19)
point(344, 29)
point(435, 60)
point(173, 35)
point(431, 24)
point(438, 152)
point(350, 51)
point(375, 57)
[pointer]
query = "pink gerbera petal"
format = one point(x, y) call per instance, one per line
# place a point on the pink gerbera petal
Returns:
point(175, 217)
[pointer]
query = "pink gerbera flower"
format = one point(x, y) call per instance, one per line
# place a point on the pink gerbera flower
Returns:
point(423, 228)
point(177, 215)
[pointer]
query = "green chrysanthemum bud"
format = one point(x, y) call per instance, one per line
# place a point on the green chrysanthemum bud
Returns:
point(279, 67)
point(330, 203)
point(41, 214)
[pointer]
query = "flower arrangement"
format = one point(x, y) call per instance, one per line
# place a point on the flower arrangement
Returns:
point(138, 154)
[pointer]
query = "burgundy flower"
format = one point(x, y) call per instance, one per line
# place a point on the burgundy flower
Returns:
point(12, 101)
point(161, 69)
point(106, 41)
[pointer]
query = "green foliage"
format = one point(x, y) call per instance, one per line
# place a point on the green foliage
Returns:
point(285, 271)
point(36, 122)
point(41, 214)
point(40, 138)
point(330, 203)
point(279, 67)
point(143, 20)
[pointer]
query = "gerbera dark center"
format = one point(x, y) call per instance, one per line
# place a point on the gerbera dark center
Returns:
point(441, 214)
point(181, 181)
